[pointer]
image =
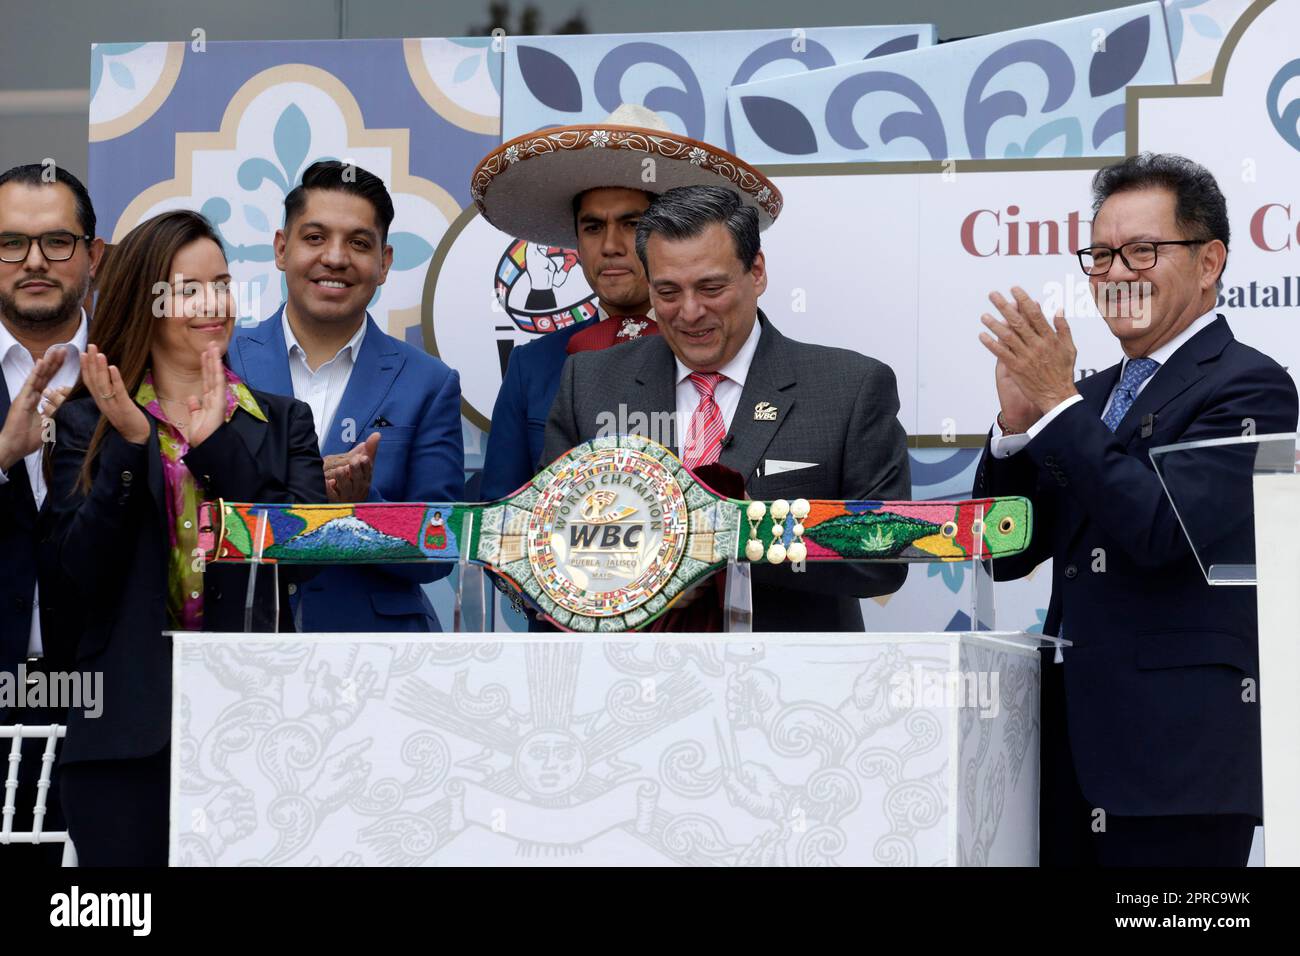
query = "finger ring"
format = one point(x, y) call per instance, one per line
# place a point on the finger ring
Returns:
point(108, 396)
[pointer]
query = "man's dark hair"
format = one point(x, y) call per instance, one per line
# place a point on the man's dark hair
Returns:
point(1199, 207)
point(345, 178)
point(686, 211)
point(38, 174)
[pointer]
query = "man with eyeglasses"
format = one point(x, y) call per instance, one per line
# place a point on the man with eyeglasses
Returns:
point(48, 256)
point(1150, 731)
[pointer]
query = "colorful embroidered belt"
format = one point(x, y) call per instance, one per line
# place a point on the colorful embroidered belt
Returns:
point(611, 533)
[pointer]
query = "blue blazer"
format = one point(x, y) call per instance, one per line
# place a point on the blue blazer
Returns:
point(421, 457)
point(1159, 720)
point(519, 416)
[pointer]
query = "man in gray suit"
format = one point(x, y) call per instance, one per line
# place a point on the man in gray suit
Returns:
point(794, 420)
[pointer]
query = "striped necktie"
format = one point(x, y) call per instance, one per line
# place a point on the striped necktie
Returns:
point(704, 437)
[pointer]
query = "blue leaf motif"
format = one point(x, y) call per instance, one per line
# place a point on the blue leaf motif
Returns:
point(1066, 127)
point(1037, 627)
point(253, 172)
point(98, 52)
point(409, 250)
point(121, 75)
point(924, 124)
point(1286, 122)
point(779, 125)
point(256, 218)
point(813, 57)
point(981, 113)
point(901, 44)
point(292, 138)
point(952, 572)
point(1108, 124)
point(686, 103)
point(466, 68)
point(1126, 50)
point(1205, 26)
point(549, 79)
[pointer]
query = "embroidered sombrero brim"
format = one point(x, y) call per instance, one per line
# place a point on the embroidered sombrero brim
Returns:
point(526, 186)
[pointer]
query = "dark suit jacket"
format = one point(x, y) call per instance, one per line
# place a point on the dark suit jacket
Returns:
point(1153, 683)
point(111, 548)
point(421, 458)
point(18, 570)
point(834, 407)
point(519, 416)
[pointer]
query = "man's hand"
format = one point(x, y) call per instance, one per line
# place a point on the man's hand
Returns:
point(24, 425)
point(1035, 370)
point(347, 476)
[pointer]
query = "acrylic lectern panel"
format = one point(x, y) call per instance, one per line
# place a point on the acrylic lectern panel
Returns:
point(1211, 487)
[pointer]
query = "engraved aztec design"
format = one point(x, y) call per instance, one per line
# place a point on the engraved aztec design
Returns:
point(609, 535)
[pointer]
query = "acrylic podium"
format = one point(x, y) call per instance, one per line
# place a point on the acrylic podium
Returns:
point(609, 745)
point(1249, 541)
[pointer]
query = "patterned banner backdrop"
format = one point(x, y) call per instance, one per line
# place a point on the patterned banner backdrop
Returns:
point(228, 128)
point(1052, 90)
point(562, 80)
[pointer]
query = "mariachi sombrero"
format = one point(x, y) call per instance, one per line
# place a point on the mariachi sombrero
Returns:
point(526, 187)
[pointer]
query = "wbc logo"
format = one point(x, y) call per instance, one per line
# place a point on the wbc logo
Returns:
point(606, 536)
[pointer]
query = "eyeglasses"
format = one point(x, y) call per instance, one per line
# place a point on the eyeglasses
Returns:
point(55, 246)
point(1136, 256)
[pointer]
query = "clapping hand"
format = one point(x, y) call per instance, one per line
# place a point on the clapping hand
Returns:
point(207, 413)
point(104, 382)
point(1035, 370)
point(347, 476)
point(24, 425)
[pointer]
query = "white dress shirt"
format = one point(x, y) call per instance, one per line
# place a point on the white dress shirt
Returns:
point(1003, 446)
point(323, 388)
point(726, 393)
point(18, 363)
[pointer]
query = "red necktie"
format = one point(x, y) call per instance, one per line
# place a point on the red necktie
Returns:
point(704, 438)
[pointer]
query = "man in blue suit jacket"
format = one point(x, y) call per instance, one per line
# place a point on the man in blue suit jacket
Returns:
point(1150, 726)
point(387, 414)
point(607, 219)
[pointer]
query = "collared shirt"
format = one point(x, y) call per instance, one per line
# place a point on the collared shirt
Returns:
point(184, 583)
point(728, 390)
point(323, 388)
point(18, 363)
point(1003, 446)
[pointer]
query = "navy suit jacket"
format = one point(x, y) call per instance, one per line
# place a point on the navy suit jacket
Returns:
point(519, 415)
point(421, 457)
point(17, 560)
point(109, 551)
point(1157, 685)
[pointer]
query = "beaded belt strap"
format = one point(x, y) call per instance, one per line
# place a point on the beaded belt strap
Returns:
point(611, 533)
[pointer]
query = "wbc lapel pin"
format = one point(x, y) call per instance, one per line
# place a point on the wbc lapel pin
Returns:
point(763, 412)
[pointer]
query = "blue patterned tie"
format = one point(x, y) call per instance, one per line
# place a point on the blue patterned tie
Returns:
point(1136, 371)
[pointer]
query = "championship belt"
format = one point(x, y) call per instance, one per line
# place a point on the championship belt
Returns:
point(614, 531)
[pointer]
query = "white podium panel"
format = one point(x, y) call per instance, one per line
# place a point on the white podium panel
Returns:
point(1277, 514)
point(825, 749)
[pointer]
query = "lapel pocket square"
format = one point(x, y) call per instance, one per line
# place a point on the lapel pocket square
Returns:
point(779, 466)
